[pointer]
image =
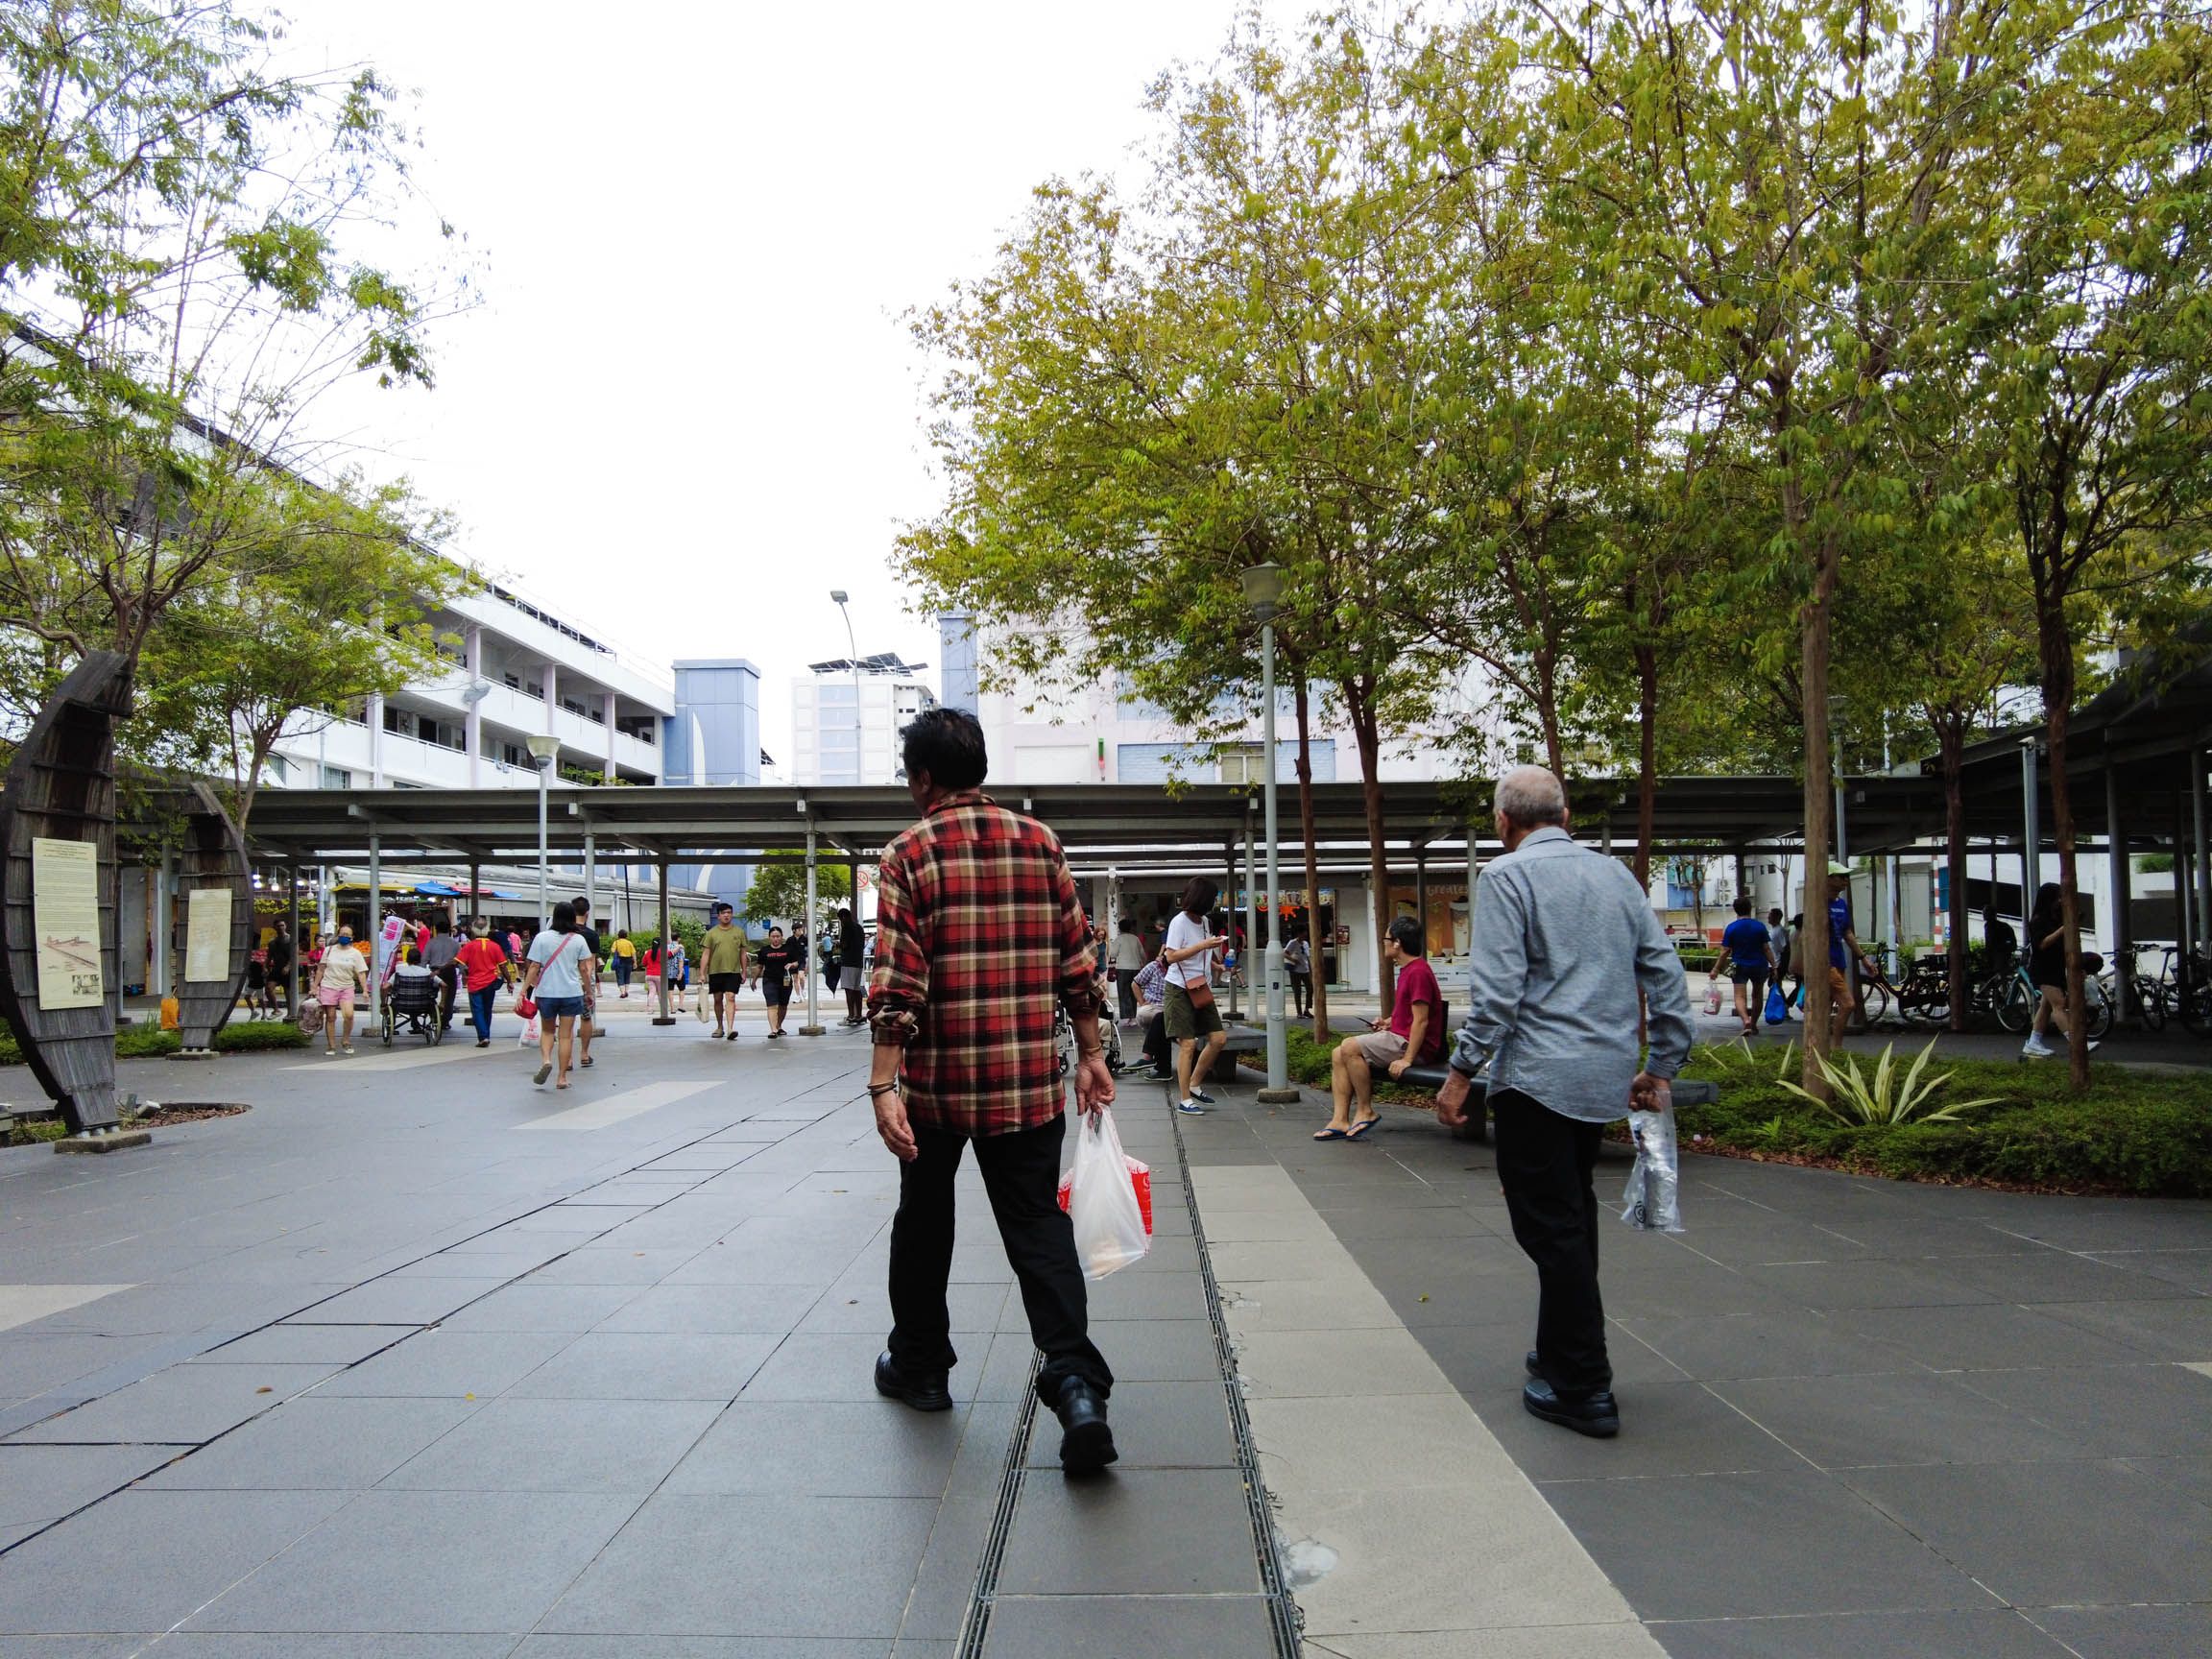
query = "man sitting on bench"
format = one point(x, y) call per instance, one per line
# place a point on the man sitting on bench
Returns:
point(1412, 1036)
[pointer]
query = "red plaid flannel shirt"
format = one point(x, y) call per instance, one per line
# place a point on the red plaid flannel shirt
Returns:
point(979, 934)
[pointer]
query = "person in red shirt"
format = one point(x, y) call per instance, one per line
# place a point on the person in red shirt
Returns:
point(1412, 1036)
point(484, 964)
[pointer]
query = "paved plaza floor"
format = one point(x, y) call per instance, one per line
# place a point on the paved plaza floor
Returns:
point(414, 1359)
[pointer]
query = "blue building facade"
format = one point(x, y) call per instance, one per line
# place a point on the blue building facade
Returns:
point(714, 738)
point(960, 680)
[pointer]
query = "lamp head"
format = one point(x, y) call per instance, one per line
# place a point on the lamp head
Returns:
point(837, 595)
point(1263, 590)
point(477, 691)
point(543, 749)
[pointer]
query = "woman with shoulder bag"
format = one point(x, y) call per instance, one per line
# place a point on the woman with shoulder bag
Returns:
point(556, 976)
point(1193, 1017)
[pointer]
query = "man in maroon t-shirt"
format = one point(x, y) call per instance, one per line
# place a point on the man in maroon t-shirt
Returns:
point(1412, 1036)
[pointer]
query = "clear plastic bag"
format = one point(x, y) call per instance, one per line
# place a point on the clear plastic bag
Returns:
point(1654, 1193)
point(529, 1037)
point(1103, 1200)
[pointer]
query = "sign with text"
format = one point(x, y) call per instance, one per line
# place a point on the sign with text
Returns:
point(66, 917)
point(207, 935)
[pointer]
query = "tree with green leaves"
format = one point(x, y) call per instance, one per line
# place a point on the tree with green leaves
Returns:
point(778, 894)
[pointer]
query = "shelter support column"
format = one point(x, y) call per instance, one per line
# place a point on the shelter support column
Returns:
point(2116, 866)
point(2200, 866)
point(660, 870)
point(813, 964)
point(374, 925)
point(299, 943)
point(1246, 958)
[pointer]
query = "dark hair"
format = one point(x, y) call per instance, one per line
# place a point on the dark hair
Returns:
point(414, 956)
point(443, 925)
point(581, 905)
point(725, 909)
point(947, 744)
point(564, 918)
point(1128, 923)
point(776, 927)
point(2050, 909)
point(1775, 914)
point(1742, 905)
point(844, 913)
point(1411, 938)
point(1198, 896)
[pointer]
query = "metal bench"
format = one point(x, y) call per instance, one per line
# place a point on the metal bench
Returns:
point(1477, 1128)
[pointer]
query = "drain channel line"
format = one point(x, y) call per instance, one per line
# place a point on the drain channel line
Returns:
point(1282, 1611)
point(978, 1625)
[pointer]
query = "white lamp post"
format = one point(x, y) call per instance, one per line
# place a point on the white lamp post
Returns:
point(1263, 593)
point(838, 596)
point(544, 750)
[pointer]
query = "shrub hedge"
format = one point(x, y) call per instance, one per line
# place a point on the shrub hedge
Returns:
point(149, 1042)
point(2144, 1133)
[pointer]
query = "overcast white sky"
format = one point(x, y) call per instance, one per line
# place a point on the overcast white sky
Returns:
point(687, 410)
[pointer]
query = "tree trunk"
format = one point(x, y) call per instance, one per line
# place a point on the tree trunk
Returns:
point(1314, 946)
point(2055, 641)
point(1366, 731)
point(1951, 751)
point(1819, 803)
point(1647, 759)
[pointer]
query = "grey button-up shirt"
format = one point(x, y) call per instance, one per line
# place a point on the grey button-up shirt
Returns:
point(1563, 938)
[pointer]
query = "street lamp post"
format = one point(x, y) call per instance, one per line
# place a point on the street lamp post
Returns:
point(543, 753)
point(1263, 593)
point(859, 724)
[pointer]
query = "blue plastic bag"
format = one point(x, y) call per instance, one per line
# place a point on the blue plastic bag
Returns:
point(1777, 1007)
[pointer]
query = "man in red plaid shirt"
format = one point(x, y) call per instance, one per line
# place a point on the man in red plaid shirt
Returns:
point(978, 935)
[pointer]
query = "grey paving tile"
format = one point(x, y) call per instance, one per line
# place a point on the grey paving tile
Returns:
point(1148, 1296)
point(825, 1448)
point(699, 1647)
point(844, 1368)
point(398, 1561)
point(2045, 1534)
point(945, 1582)
point(536, 1307)
point(1005, 1374)
point(396, 1301)
point(1156, 1426)
point(501, 1265)
point(716, 1310)
point(2131, 1632)
point(520, 1445)
point(1865, 1562)
point(2152, 1409)
point(182, 1405)
point(723, 1566)
point(306, 1345)
point(1990, 1635)
point(2052, 1276)
point(2192, 1476)
point(1800, 1343)
point(1486, 1361)
point(1146, 1532)
point(31, 1363)
point(1873, 1284)
point(1666, 1428)
point(94, 1571)
point(594, 1265)
point(1362, 1222)
point(302, 1645)
point(1158, 1350)
point(42, 1483)
point(638, 1365)
point(1895, 1418)
point(450, 1365)
point(854, 1309)
point(315, 1443)
point(1987, 1337)
point(2191, 1269)
point(2179, 1328)
point(1056, 1626)
point(720, 1261)
point(1664, 1281)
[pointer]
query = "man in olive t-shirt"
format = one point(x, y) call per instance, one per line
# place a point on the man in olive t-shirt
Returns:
point(724, 951)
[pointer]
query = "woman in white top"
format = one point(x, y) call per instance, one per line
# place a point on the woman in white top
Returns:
point(1128, 962)
point(556, 979)
point(1193, 1017)
point(342, 971)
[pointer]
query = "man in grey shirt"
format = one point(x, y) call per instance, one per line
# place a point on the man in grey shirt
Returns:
point(1563, 940)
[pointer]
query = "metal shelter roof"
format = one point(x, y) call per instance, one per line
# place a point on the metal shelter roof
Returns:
point(1127, 827)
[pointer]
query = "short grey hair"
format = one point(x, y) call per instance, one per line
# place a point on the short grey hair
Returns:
point(1531, 797)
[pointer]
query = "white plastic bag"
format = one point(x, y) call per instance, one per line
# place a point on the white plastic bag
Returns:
point(1654, 1193)
point(529, 1037)
point(1713, 997)
point(1103, 1200)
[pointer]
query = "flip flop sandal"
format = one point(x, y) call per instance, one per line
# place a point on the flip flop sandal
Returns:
point(1359, 1131)
point(1332, 1133)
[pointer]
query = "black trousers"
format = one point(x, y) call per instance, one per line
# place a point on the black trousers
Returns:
point(1126, 983)
point(1545, 1162)
point(1021, 1175)
point(1156, 1047)
point(1301, 994)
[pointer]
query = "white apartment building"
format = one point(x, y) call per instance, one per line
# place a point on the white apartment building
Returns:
point(516, 670)
point(847, 717)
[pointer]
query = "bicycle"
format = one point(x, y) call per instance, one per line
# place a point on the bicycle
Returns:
point(2016, 1001)
point(2149, 996)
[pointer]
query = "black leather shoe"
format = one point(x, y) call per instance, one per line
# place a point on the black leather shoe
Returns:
point(1534, 1369)
point(1085, 1442)
point(924, 1392)
point(1596, 1415)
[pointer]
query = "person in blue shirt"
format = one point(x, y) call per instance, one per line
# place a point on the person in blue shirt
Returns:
point(1840, 939)
point(1750, 951)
